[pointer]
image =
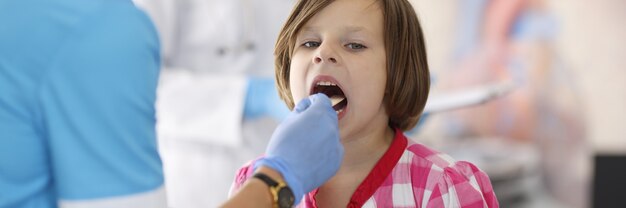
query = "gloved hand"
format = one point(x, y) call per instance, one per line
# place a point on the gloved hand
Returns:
point(305, 147)
point(262, 100)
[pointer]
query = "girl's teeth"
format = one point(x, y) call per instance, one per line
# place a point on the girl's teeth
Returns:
point(327, 83)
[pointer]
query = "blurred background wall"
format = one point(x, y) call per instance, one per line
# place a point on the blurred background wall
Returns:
point(591, 40)
point(572, 92)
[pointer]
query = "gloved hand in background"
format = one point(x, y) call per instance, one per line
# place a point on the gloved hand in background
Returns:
point(262, 100)
point(305, 148)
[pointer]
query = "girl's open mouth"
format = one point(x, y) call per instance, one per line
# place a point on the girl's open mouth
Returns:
point(333, 91)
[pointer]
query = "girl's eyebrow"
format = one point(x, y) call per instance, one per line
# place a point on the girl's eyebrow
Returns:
point(309, 29)
point(349, 29)
point(354, 29)
point(358, 31)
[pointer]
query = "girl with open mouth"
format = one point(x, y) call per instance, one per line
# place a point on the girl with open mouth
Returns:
point(369, 58)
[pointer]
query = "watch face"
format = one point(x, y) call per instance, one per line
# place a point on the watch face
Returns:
point(285, 198)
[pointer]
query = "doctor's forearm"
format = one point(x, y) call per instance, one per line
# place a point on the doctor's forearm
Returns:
point(254, 193)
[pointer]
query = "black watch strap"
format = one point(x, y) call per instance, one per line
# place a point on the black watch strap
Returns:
point(282, 195)
point(269, 181)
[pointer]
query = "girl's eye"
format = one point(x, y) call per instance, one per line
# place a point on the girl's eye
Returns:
point(311, 44)
point(355, 46)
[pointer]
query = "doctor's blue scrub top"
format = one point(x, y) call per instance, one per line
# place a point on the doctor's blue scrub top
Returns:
point(78, 85)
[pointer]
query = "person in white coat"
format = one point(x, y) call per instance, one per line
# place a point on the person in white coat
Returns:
point(216, 104)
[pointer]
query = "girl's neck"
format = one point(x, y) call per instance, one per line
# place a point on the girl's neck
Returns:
point(361, 155)
point(367, 149)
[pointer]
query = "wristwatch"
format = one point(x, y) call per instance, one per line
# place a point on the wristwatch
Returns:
point(283, 196)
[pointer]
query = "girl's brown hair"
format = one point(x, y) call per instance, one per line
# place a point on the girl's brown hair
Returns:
point(408, 79)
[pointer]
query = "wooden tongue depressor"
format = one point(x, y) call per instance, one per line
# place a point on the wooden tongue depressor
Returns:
point(335, 99)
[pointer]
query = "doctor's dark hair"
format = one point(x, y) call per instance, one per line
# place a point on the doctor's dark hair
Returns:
point(408, 80)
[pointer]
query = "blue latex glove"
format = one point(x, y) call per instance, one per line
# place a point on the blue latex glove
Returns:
point(305, 147)
point(262, 100)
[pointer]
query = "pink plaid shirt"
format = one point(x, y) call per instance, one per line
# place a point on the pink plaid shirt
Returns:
point(412, 175)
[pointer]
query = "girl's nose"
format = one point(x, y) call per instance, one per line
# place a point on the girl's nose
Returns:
point(319, 59)
point(325, 54)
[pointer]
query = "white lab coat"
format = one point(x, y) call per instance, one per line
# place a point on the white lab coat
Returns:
point(209, 48)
